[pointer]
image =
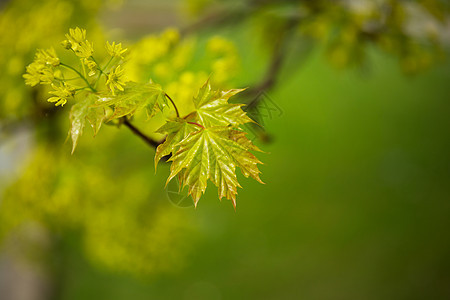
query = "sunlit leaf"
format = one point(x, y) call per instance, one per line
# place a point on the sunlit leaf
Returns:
point(214, 153)
point(213, 109)
point(136, 96)
point(176, 131)
point(82, 111)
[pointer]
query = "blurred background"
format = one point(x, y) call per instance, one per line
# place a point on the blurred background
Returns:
point(353, 98)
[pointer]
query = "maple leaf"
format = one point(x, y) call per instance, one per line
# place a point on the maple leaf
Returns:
point(213, 109)
point(214, 153)
point(176, 131)
point(135, 97)
point(82, 111)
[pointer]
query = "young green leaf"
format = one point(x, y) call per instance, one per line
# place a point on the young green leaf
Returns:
point(136, 96)
point(82, 111)
point(213, 109)
point(176, 131)
point(214, 153)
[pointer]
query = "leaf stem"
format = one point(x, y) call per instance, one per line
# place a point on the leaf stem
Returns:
point(82, 88)
point(196, 124)
point(102, 71)
point(173, 103)
point(68, 79)
point(83, 68)
point(79, 74)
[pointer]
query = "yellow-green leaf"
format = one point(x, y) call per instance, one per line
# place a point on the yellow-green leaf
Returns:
point(176, 131)
point(82, 111)
point(136, 96)
point(214, 153)
point(213, 109)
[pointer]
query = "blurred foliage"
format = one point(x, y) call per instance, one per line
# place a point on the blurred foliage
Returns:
point(126, 226)
point(413, 31)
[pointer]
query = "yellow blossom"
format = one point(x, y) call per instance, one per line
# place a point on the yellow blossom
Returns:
point(76, 40)
point(38, 73)
point(76, 35)
point(61, 94)
point(114, 80)
point(115, 50)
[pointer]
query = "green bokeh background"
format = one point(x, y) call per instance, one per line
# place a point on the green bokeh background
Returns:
point(355, 206)
point(356, 203)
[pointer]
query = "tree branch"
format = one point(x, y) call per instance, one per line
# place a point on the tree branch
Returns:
point(276, 63)
point(140, 134)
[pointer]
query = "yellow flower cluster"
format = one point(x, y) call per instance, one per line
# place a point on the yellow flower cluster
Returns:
point(26, 25)
point(48, 69)
point(43, 67)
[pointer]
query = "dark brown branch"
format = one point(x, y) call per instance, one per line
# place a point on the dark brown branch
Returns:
point(139, 133)
point(274, 68)
point(268, 81)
